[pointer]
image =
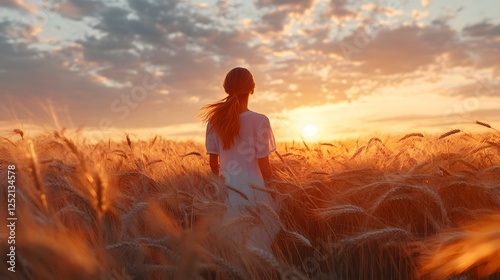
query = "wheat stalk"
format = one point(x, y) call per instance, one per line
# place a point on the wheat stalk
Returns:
point(6, 139)
point(320, 172)
point(279, 156)
point(451, 132)
point(137, 208)
point(468, 164)
point(358, 152)
point(483, 124)
point(455, 252)
point(238, 192)
point(20, 132)
point(411, 135)
point(338, 210)
point(478, 149)
point(191, 154)
point(373, 140)
point(36, 173)
point(265, 256)
point(153, 141)
point(129, 142)
point(390, 232)
point(305, 144)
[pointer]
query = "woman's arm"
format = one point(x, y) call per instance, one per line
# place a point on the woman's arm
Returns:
point(265, 168)
point(214, 164)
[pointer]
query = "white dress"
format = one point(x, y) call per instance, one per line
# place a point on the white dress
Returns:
point(240, 169)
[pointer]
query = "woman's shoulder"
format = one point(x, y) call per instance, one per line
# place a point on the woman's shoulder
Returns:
point(257, 119)
point(257, 115)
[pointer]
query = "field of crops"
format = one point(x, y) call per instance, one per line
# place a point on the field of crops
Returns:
point(393, 207)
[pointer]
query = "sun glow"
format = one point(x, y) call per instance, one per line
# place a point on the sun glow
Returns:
point(309, 131)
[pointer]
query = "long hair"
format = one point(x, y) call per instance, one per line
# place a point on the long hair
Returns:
point(223, 115)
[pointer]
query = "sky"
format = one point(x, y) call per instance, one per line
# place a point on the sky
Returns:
point(347, 68)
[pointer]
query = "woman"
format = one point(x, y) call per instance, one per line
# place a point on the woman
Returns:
point(239, 142)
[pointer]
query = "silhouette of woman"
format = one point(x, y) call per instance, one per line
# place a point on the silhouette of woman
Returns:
point(239, 142)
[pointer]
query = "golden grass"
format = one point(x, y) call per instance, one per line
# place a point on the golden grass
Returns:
point(378, 208)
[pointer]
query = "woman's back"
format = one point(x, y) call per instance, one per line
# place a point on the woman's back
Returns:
point(238, 165)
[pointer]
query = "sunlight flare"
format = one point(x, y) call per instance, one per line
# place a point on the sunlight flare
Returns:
point(309, 131)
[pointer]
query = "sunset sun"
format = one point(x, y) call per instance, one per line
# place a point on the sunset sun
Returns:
point(309, 131)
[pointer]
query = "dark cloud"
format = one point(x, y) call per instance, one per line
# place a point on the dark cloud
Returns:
point(484, 30)
point(109, 50)
point(339, 10)
point(296, 4)
point(400, 50)
point(274, 20)
point(32, 79)
point(484, 44)
point(171, 36)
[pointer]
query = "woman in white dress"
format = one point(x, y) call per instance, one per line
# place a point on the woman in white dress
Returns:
point(239, 142)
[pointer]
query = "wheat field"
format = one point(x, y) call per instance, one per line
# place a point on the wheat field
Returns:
point(413, 206)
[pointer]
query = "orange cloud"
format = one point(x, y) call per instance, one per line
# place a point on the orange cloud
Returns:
point(426, 3)
point(28, 7)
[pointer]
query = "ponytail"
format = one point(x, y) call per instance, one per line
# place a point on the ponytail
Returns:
point(223, 115)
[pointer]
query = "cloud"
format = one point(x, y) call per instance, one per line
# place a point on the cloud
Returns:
point(426, 3)
point(482, 87)
point(77, 9)
point(442, 121)
point(286, 42)
point(20, 5)
point(484, 42)
point(484, 29)
point(274, 20)
point(339, 10)
point(416, 15)
point(401, 50)
point(296, 4)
